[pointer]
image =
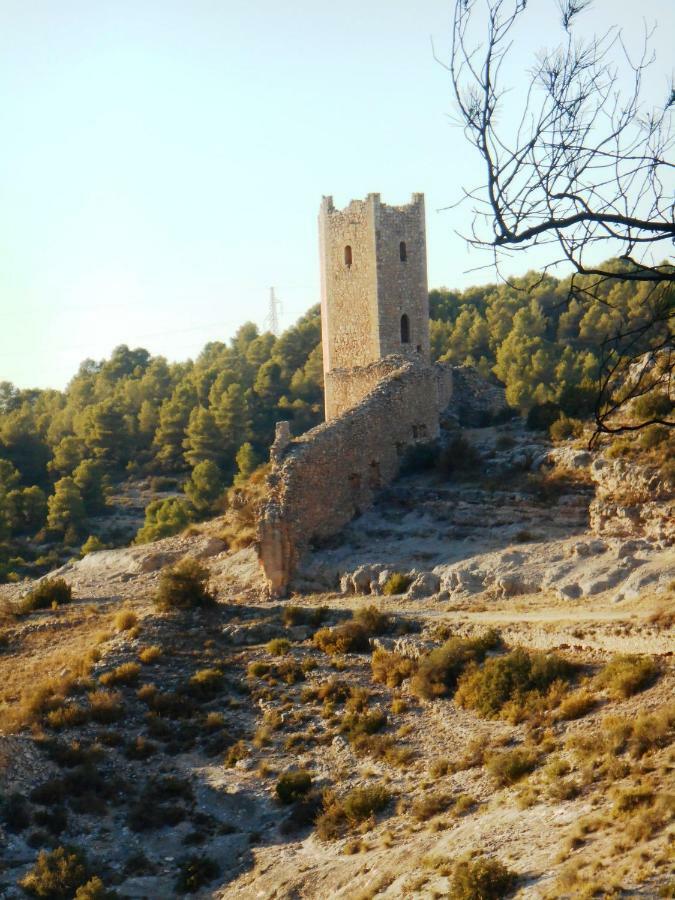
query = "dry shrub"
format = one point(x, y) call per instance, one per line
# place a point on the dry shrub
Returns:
point(373, 620)
point(430, 805)
point(576, 705)
point(127, 673)
point(397, 583)
point(206, 683)
point(390, 668)
point(303, 615)
point(105, 706)
point(184, 586)
point(50, 694)
point(353, 808)
point(438, 671)
point(195, 872)
point(625, 675)
point(69, 715)
point(520, 679)
point(463, 804)
point(125, 620)
point(148, 655)
point(354, 724)
point(241, 515)
point(381, 747)
point(56, 875)
point(293, 786)
point(94, 889)
point(473, 755)
point(510, 766)
point(642, 811)
point(48, 593)
point(278, 646)
point(333, 691)
point(350, 637)
point(481, 879)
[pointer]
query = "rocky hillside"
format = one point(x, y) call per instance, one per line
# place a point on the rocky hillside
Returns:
point(473, 685)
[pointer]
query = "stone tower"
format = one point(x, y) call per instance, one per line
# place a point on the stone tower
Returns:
point(374, 298)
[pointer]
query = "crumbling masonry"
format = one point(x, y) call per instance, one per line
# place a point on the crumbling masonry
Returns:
point(382, 394)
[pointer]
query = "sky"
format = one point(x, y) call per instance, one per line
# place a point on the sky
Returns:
point(162, 162)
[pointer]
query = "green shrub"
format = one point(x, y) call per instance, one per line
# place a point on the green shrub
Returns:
point(372, 619)
point(564, 428)
point(303, 615)
point(510, 766)
point(439, 670)
point(56, 875)
point(459, 456)
point(184, 586)
point(397, 583)
point(92, 545)
point(542, 415)
point(481, 879)
point(278, 646)
point(15, 812)
point(655, 405)
point(48, 593)
point(578, 399)
point(293, 786)
point(654, 436)
point(159, 483)
point(194, 873)
point(517, 678)
point(625, 675)
point(162, 519)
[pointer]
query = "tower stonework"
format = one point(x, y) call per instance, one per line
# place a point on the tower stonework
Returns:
point(374, 296)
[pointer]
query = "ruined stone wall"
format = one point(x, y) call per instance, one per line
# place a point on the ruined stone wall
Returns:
point(345, 388)
point(327, 476)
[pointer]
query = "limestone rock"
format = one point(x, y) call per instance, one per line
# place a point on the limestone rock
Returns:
point(424, 585)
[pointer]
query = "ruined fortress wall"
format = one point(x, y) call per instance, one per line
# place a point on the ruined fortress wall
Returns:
point(333, 472)
point(402, 283)
point(345, 388)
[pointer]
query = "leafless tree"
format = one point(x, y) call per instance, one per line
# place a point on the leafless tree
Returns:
point(580, 167)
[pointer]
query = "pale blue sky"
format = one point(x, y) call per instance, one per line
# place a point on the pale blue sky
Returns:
point(162, 163)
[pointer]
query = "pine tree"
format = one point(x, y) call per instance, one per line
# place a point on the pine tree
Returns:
point(247, 463)
point(65, 506)
point(174, 415)
point(202, 438)
point(232, 418)
point(205, 487)
point(90, 478)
